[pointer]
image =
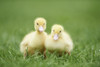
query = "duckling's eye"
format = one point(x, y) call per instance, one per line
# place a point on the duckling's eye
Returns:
point(53, 30)
point(37, 24)
point(44, 24)
point(59, 31)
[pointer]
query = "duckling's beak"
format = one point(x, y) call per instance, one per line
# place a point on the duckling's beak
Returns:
point(55, 37)
point(41, 29)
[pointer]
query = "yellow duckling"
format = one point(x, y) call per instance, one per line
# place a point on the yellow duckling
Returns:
point(59, 40)
point(35, 40)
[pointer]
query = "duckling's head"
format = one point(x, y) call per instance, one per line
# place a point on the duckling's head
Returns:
point(56, 31)
point(40, 24)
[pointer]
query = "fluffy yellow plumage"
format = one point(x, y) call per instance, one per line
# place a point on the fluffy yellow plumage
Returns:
point(34, 41)
point(59, 40)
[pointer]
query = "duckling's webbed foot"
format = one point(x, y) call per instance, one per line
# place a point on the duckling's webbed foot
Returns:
point(26, 53)
point(44, 53)
point(68, 53)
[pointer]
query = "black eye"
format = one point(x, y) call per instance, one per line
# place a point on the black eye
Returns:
point(53, 30)
point(60, 31)
point(44, 24)
point(37, 24)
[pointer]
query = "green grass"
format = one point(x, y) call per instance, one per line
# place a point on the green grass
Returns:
point(80, 18)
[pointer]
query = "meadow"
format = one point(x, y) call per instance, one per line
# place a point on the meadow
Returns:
point(80, 18)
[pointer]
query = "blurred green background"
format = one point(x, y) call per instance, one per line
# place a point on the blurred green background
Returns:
point(80, 18)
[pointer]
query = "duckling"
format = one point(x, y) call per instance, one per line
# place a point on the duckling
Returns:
point(34, 41)
point(59, 40)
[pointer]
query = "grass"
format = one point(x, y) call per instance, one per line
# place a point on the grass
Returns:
point(80, 18)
